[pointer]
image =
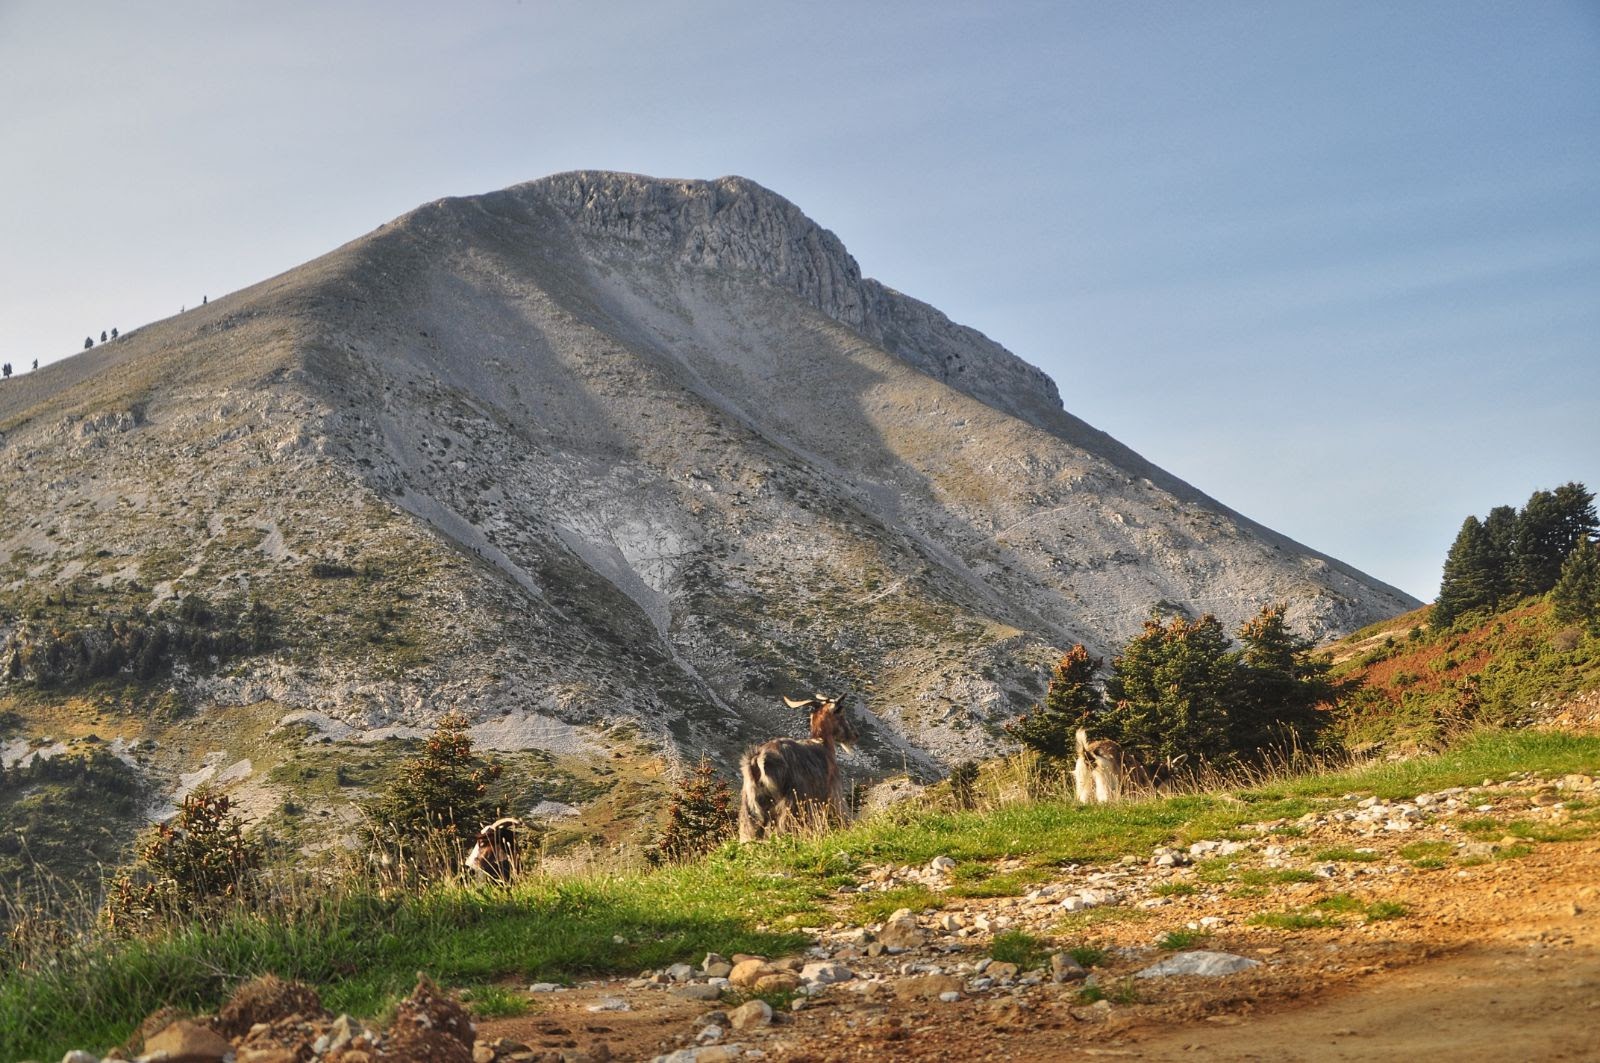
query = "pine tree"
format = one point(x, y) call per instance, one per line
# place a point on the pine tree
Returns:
point(1576, 596)
point(88, 341)
point(1281, 687)
point(1469, 575)
point(700, 818)
point(1072, 701)
point(102, 335)
point(1500, 526)
point(440, 800)
point(1549, 526)
point(1170, 690)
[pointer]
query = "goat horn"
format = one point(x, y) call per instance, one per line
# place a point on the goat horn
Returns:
point(793, 704)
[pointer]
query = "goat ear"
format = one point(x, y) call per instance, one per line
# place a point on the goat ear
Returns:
point(793, 704)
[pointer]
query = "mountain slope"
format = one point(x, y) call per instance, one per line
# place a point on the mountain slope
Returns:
point(602, 458)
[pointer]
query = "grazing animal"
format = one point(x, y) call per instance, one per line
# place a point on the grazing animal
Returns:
point(494, 854)
point(791, 783)
point(1104, 771)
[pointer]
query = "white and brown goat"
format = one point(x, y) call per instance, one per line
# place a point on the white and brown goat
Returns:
point(793, 783)
point(496, 852)
point(1105, 771)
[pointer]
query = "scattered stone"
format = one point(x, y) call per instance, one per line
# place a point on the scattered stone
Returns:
point(610, 1004)
point(1063, 968)
point(1200, 962)
point(745, 972)
point(826, 973)
point(777, 982)
point(927, 986)
point(949, 921)
point(942, 864)
point(950, 996)
point(680, 972)
point(78, 1055)
point(752, 1014)
point(186, 1042)
point(698, 991)
point(902, 931)
point(709, 1034)
point(430, 1025)
point(543, 987)
point(1002, 972)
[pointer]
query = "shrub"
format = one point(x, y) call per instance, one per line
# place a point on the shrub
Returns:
point(440, 799)
point(700, 817)
point(200, 861)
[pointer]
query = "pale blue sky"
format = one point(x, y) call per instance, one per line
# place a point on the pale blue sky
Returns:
point(1337, 264)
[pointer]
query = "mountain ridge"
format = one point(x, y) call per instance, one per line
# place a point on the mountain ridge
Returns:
point(618, 458)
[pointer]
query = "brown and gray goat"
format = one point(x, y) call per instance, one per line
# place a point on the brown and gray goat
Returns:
point(495, 853)
point(792, 783)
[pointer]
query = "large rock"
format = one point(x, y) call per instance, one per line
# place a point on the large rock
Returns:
point(1199, 962)
point(901, 931)
point(186, 1042)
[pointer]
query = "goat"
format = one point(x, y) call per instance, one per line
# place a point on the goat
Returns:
point(494, 854)
point(1104, 771)
point(790, 783)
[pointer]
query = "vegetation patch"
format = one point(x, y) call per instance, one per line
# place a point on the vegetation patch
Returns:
point(1021, 948)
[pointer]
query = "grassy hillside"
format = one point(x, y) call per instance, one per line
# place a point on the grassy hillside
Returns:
point(361, 950)
point(1419, 685)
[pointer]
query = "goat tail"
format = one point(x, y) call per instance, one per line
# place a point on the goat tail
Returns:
point(755, 797)
point(1083, 741)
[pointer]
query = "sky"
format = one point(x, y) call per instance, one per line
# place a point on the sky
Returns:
point(1337, 265)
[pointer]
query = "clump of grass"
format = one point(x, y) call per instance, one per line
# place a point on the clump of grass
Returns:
point(1175, 889)
point(1293, 920)
point(1338, 903)
point(1174, 940)
point(1378, 911)
point(1427, 856)
point(1019, 947)
point(876, 907)
point(1274, 876)
point(1088, 955)
point(1123, 991)
point(1075, 921)
point(496, 1002)
point(1513, 852)
point(1344, 855)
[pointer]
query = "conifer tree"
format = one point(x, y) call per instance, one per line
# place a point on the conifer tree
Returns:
point(440, 800)
point(700, 818)
point(1170, 690)
point(1280, 687)
point(1576, 596)
point(1549, 526)
point(1469, 575)
point(1071, 702)
point(1500, 526)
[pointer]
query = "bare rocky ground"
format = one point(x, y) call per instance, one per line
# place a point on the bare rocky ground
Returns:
point(1462, 924)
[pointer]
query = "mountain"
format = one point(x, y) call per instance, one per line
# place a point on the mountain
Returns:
point(605, 461)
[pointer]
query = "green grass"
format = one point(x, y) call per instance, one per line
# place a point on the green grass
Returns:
point(1174, 940)
point(1088, 955)
point(1378, 911)
point(1021, 948)
point(495, 1002)
point(1175, 889)
point(1293, 920)
point(1338, 904)
point(1348, 856)
point(877, 907)
point(1428, 856)
point(362, 952)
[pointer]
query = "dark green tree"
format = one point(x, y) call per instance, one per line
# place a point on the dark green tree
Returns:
point(102, 335)
point(1576, 596)
point(1469, 575)
point(1170, 691)
point(1500, 526)
point(700, 818)
point(1071, 702)
point(1549, 526)
point(88, 341)
point(440, 799)
point(1281, 687)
